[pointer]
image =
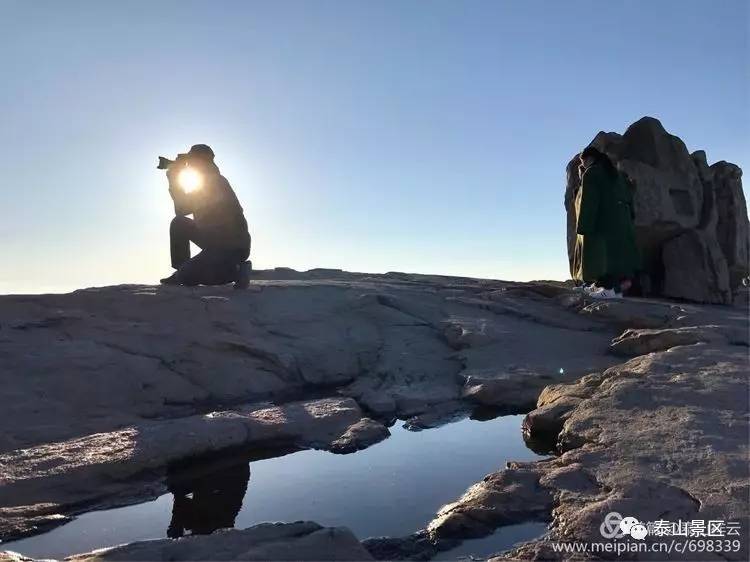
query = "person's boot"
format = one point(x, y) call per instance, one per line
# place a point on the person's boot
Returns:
point(171, 280)
point(243, 275)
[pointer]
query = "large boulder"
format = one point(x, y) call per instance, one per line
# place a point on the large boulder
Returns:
point(695, 268)
point(732, 230)
point(662, 437)
point(690, 218)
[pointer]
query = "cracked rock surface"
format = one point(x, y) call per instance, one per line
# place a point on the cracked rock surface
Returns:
point(645, 402)
point(99, 359)
point(106, 387)
point(663, 436)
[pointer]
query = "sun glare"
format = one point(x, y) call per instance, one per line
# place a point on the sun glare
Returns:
point(190, 180)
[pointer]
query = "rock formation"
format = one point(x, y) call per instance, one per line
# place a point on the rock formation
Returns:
point(644, 402)
point(691, 218)
point(105, 385)
point(662, 436)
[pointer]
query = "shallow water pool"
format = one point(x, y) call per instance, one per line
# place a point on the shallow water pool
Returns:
point(390, 489)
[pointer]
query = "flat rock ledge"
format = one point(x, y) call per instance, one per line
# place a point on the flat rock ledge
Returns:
point(110, 387)
point(44, 486)
point(660, 437)
point(106, 388)
point(302, 540)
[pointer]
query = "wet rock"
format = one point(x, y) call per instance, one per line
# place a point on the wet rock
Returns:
point(418, 546)
point(505, 388)
point(302, 540)
point(582, 388)
point(691, 219)
point(360, 435)
point(542, 426)
point(27, 519)
point(419, 399)
point(546, 421)
point(660, 437)
point(511, 496)
point(43, 484)
point(441, 414)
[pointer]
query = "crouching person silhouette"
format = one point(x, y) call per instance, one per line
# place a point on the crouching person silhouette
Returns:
point(218, 226)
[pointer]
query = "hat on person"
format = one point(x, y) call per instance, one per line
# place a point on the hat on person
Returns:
point(202, 150)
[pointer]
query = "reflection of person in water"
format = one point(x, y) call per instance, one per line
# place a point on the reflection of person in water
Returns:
point(208, 502)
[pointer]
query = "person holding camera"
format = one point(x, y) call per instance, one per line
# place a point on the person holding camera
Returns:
point(218, 226)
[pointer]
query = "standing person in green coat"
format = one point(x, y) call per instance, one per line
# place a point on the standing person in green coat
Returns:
point(606, 256)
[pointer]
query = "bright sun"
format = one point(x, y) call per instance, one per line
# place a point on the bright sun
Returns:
point(189, 180)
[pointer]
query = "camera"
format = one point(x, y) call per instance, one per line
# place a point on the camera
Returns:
point(165, 163)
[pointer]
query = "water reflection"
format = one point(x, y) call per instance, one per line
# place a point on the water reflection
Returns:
point(391, 489)
point(208, 501)
point(502, 539)
point(208, 492)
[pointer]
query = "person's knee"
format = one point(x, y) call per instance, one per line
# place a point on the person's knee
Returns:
point(180, 225)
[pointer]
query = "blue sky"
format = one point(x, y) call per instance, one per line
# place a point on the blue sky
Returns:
point(371, 136)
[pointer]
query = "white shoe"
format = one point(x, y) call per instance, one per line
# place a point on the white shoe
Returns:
point(588, 289)
point(243, 275)
point(605, 294)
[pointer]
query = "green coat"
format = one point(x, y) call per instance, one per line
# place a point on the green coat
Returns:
point(605, 245)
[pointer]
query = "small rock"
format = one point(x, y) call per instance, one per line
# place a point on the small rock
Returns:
point(546, 421)
point(418, 546)
point(502, 498)
point(379, 403)
point(441, 414)
point(362, 434)
point(507, 388)
point(640, 342)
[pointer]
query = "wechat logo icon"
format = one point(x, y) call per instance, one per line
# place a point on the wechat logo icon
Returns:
point(615, 526)
point(627, 524)
point(631, 526)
